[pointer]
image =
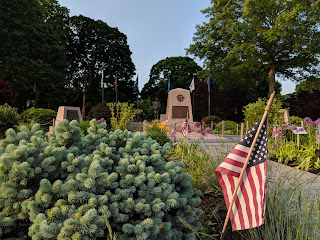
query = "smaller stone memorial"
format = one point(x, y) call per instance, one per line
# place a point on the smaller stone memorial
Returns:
point(66, 112)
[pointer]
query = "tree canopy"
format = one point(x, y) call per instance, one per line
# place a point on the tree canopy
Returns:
point(252, 36)
point(180, 69)
point(94, 45)
point(32, 55)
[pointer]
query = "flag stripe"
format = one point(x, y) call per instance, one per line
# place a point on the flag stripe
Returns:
point(254, 193)
point(243, 188)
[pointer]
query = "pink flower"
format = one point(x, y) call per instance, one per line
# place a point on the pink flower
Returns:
point(308, 122)
point(316, 122)
point(208, 130)
point(197, 124)
point(292, 127)
point(101, 120)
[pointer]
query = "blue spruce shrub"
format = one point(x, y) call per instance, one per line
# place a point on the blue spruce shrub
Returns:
point(69, 186)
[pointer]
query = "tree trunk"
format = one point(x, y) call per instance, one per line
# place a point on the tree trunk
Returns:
point(272, 78)
point(272, 71)
point(83, 103)
point(36, 96)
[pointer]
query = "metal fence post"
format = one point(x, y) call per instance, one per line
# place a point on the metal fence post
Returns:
point(241, 131)
point(222, 128)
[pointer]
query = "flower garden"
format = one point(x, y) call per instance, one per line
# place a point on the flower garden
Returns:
point(85, 181)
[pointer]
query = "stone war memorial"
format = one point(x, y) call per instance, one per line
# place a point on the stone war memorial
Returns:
point(66, 112)
point(178, 107)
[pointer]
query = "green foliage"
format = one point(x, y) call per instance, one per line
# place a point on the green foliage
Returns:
point(230, 127)
point(100, 46)
point(296, 120)
point(8, 118)
point(254, 111)
point(122, 114)
point(199, 165)
point(158, 132)
point(259, 38)
point(292, 212)
point(39, 115)
point(147, 108)
point(32, 53)
point(70, 186)
point(84, 125)
point(304, 104)
point(207, 120)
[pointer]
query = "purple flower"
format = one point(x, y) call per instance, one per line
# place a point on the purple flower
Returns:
point(284, 126)
point(208, 130)
point(198, 131)
point(292, 127)
point(308, 122)
point(189, 129)
point(316, 122)
point(101, 120)
point(197, 124)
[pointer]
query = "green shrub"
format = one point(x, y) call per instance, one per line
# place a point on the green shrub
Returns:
point(207, 120)
point(84, 125)
point(230, 127)
point(296, 120)
point(39, 115)
point(101, 110)
point(254, 111)
point(121, 114)
point(71, 186)
point(158, 132)
point(8, 118)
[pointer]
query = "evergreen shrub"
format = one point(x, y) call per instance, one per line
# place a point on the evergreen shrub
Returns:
point(207, 120)
point(8, 118)
point(39, 115)
point(70, 186)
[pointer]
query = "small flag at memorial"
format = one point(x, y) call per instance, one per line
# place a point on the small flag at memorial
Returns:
point(168, 85)
point(185, 128)
point(248, 210)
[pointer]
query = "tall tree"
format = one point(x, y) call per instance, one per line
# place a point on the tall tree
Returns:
point(32, 57)
point(93, 45)
point(181, 70)
point(275, 36)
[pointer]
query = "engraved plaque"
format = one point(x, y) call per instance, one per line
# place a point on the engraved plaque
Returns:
point(180, 111)
point(72, 115)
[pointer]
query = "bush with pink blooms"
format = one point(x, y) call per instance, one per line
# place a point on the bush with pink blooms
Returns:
point(284, 144)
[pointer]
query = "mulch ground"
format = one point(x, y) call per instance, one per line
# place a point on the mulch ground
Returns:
point(214, 210)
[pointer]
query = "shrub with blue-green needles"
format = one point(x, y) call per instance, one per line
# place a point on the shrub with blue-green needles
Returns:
point(70, 186)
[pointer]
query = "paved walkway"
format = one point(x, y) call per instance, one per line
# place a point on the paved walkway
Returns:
point(219, 145)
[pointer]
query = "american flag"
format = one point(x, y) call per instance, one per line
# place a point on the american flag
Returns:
point(248, 210)
point(185, 128)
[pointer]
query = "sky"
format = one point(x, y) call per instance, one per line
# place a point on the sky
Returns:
point(156, 29)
